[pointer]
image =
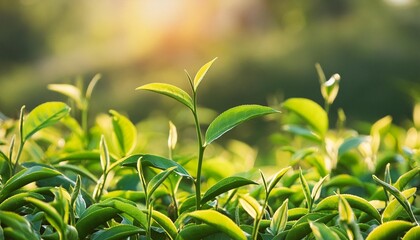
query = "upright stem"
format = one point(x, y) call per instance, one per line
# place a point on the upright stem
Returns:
point(201, 149)
point(258, 220)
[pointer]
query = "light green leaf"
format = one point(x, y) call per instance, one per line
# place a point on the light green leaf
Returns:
point(306, 190)
point(316, 190)
point(201, 73)
point(394, 208)
point(404, 179)
point(170, 91)
point(233, 117)
point(331, 203)
point(345, 211)
point(322, 232)
point(25, 177)
point(351, 143)
point(220, 222)
point(173, 136)
point(223, 186)
point(398, 195)
point(313, 114)
point(279, 220)
point(70, 91)
point(412, 234)
point(276, 178)
point(104, 156)
point(121, 231)
point(303, 132)
point(389, 230)
point(166, 223)
point(250, 205)
point(43, 116)
point(125, 133)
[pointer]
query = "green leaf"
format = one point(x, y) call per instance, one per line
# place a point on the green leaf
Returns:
point(51, 214)
point(398, 195)
point(412, 234)
point(311, 112)
point(196, 232)
point(121, 231)
point(128, 208)
point(322, 232)
point(345, 211)
point(389, 230)
point(155, 161)
point(93, 217)
point(250, 205)
point(43, 116)
point(70, 91)
point(303, 132)
point(18, 224)
point(279, 220)
point(104, 155)
point(157, 180)
point(166, 223)
point(125, 133)
point(404, 179)
point(233, 117)
point(351, 143)
point(331, 203)
point(170, 91)
point(299, 231)
point(18, 200)
point(25, 177)
point(306, 190)
point(276, 178)
point(220, 222)
point(394, 208)
point(173, 136)
point(316, 190)
point(201, 73)
point(343, 180)
point(223, 186)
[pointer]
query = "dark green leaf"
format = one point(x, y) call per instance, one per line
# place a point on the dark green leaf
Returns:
point(121, 231)
point(17, 224)
point(223, 186)
point(196, 232)
point(233, 117)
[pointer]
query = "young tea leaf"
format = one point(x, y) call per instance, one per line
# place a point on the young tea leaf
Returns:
point(173, 136)
point(276, 178)
point(394, 209)
point(389, 230)
point(224, 186)
point(322, 232)
point(306, 190)
point(170, 91)
point(201, 73)
point(70, 91)
point(125, 133)
point(219, 222)
point(233, 117)
point(251, 206)
point(43, 116)
point(166, 223)
point(310, 112)
point(279, 220)
point(157, 180)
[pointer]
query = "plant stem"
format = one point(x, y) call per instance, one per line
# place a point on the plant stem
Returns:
point(258, 218)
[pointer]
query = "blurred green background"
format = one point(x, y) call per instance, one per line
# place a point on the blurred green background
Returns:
point(266, 50)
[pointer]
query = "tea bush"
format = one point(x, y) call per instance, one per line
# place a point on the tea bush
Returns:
point(64, 179)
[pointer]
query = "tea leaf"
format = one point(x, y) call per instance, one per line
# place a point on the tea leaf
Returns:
point(398, 195)
point(223, 186)
point(18, 200)
point(394, 208)
point(306, 190)
point(70, 91)
point(51, 214)
point(233, 117)
point(279, 220)
point(310, 112)
point(43, 116)
point(157, 180)
point(127, 207)
point(343, 180)
point(322, 232)
point(155, 161)
point(125, 133)
point(404, 179)
point(389, 230)
point(331, 203)
point(193, 231)
point(93, 217)
point(276, 178)
point(173, 136)
point(19, 225)
point(351, 143)
point(104, 156)
point(121, 231)
point(219, 222)
point(303, 132)
point(170, 91)
point(25, 177)
point(345, 211)
point(316, 190)
point(250, 205)
point(201, 73)
point(166, 223)
point(412, 234)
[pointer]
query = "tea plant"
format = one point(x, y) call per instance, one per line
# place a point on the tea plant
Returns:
point(62, 178)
